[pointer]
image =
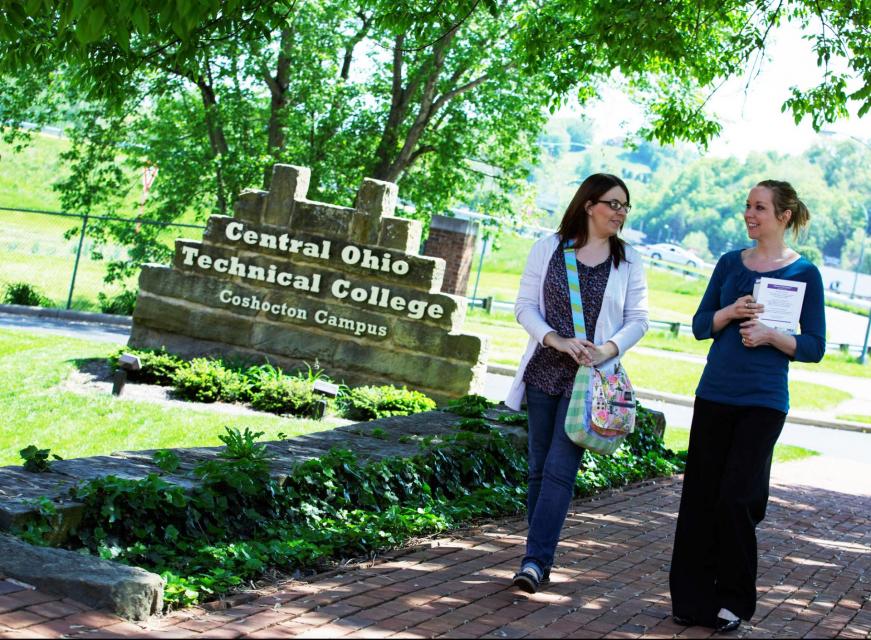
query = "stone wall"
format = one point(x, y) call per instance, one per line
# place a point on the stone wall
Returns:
point(453, 240)
point(293, 281)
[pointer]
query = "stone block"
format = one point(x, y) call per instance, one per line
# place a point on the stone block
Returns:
point(376, 293)
point(130, 592)
point(401, 234)
point(160, 313)
point(658, 422)
point(296, 344)
point(249, 207)
point(220, 326)
point(292, 279)
point(424, 272)
point(288, 185)
point(323, 219)
point(188, 347)
point(21, 490)
point(462, 347)
point(412, 369)
point(377, 198)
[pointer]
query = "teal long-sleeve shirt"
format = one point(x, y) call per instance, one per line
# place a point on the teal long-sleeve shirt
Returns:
point(738, 375)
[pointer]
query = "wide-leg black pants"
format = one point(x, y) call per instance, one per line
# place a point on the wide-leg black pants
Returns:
point(725, 493)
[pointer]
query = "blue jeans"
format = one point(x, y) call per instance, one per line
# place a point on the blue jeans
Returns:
point(553, 467)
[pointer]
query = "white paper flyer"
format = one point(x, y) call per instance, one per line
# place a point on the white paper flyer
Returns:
point(782, 300)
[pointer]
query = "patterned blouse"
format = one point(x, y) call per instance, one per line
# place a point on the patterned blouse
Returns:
point(550, 370)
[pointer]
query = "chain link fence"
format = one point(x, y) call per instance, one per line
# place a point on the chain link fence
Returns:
point(51, 252)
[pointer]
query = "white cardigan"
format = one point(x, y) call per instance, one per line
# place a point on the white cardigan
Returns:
point(622, 319)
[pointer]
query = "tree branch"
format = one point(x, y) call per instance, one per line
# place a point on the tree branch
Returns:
point(353, 42)
point(426, 148)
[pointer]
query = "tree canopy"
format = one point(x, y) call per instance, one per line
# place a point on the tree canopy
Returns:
point(445, 97)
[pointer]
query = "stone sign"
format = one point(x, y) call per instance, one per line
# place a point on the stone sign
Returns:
point(292, 281)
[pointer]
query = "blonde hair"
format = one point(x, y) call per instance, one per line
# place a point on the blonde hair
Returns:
point(785, 197)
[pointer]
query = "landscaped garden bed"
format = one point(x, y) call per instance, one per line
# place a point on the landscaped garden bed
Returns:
point(210, 527)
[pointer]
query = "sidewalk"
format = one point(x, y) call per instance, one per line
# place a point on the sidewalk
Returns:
point(610, 580)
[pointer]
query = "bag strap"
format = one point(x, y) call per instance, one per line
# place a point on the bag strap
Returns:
point(574, 283)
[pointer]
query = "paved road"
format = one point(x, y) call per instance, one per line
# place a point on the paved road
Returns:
point(84, 330)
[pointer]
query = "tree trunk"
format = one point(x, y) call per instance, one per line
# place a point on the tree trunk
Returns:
point(395, 154)
point(278, 100)
point(217, 139)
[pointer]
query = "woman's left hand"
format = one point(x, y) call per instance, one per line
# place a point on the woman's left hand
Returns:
point(597, 354)
point(755, 334)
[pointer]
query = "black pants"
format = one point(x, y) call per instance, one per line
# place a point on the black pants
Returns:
point(725, 493)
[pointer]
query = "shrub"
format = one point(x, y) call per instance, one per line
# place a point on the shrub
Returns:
point(24, 293)
point(206, 380)
point(470, 406)
point(285, 394)
point(371, 403)
point(121, 304)
point(158, 367)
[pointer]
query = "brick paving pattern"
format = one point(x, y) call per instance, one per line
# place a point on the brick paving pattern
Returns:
point(610, 580)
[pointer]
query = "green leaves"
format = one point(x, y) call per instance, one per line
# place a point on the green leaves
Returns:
point(36, 460)
point(371, 402)
point(242, 445)
point(167, 460)
point(469, 406)
point(239, 521)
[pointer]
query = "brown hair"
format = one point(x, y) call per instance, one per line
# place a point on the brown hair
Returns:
point(785, 197)
point(575, 222)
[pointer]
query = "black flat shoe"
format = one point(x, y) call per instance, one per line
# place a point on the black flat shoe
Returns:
point(726, 626)
point(684, 622)
point(527, 579)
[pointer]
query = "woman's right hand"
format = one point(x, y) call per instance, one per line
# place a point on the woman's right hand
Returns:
point(744, 308)
point(571, 346)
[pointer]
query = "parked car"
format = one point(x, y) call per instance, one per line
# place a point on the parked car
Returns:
point(671, 253)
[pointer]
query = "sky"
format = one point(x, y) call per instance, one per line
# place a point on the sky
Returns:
point(751, 116)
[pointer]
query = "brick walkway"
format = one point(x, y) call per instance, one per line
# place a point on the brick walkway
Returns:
point(610, 580)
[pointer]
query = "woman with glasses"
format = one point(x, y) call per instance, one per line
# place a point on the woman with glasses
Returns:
point(740, 407)
point(614, 300)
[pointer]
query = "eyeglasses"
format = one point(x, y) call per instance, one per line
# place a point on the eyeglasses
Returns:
point(616, 205)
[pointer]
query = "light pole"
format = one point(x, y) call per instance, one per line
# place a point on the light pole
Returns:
point(861, 253)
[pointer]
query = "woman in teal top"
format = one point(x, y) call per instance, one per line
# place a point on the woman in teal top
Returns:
point(740, 407)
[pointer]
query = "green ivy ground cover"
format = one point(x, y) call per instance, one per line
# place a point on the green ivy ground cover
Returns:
point(240, 521)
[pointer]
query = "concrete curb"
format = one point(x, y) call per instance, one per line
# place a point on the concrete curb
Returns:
point(130, 592)
point(687, 401)
point(67, 314)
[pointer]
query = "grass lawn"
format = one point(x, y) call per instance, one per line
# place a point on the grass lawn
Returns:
point(26, 178)
point(74, 425)
point(678, 439)
point(856, 417)
point(508, 341)
point(681, 377)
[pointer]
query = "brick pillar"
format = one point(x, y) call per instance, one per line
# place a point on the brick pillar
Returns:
point(454, 240)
